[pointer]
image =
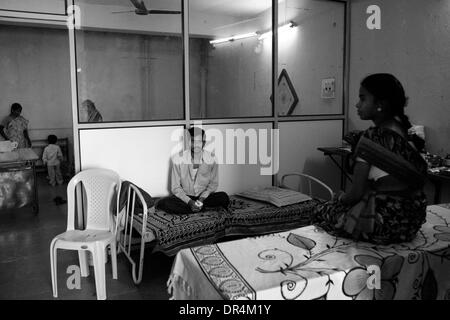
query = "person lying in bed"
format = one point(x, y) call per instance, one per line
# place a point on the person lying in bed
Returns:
point(386, 203)
point(194, 179)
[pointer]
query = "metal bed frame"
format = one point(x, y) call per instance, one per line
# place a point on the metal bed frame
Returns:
point(126, 222)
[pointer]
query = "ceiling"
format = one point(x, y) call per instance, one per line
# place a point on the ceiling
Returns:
point(223, 7)
point(231, 7)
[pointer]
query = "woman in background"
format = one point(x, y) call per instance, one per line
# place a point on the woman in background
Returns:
point(92, 114)
point(386, 203)
point(15, 127)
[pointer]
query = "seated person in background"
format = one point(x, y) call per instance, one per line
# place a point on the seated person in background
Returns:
point(16, 127)
point(194, 179)
point(386, 203)
point(91, 113)
point(52, 157)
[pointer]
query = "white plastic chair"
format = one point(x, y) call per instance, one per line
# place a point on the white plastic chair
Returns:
point(306, 179)
point(101, 186)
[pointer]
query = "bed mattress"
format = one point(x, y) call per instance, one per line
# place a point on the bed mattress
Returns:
point(244, 217)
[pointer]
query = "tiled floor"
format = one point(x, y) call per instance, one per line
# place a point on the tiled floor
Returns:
point(25, 262)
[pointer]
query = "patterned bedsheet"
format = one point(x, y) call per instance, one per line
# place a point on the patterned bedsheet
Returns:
point(307, 263)
point(245, 217)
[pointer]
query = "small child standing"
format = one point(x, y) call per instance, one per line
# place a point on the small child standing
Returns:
point(52, 157)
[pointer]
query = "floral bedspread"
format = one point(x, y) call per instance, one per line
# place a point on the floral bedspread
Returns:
point(308, 263)
point(244, 218)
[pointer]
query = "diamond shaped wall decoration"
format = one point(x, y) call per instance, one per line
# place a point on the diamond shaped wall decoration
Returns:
point(287, 97)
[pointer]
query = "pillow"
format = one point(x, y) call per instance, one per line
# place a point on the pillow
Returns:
point(277, 196)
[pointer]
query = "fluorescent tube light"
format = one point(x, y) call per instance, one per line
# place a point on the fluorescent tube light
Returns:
point(254, 34)
point(220, 40)
point(236, 37)
point(246, 35)
point(280, 30)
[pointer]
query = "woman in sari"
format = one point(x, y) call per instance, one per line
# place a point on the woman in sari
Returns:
point(386, 203)
point(15, 127)
point(91, 113)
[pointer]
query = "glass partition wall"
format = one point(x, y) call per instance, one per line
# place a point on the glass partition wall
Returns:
point(129, 61)
point(130, 57)
point(182, 62)
point(311, 44)
point(230, 67)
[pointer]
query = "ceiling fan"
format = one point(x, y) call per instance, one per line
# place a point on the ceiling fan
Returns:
point(142, 10)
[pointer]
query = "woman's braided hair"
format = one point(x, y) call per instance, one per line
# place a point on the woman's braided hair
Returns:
point(386, 87)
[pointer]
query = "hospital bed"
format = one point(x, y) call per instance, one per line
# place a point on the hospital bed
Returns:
point(308, 263)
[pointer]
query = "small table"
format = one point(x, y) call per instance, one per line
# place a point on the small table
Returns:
point(436, 178)
point(342, 152)
point(18, 183)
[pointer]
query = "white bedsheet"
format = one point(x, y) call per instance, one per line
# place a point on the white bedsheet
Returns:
point(307, 263)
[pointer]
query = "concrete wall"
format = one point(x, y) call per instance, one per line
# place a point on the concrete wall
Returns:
point(298, 149)
point(414, 45)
